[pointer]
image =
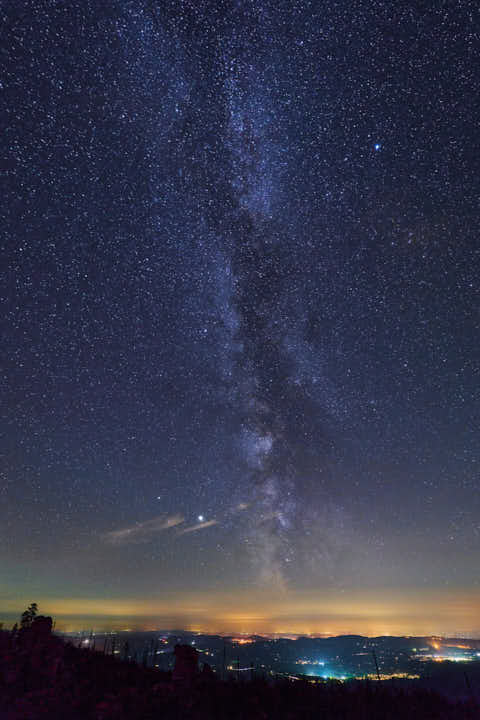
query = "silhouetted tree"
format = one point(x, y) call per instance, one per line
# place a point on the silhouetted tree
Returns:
point(28, 615)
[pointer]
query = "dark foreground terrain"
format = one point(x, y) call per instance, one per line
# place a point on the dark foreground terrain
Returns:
point(41, 676)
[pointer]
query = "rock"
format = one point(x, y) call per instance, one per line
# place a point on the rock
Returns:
point(186, 664)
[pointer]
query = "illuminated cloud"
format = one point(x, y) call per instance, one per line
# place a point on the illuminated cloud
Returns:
point(142, 532)
point(198, 526)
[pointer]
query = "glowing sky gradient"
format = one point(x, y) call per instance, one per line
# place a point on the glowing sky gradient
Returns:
point(239, 315)
point(327, 612)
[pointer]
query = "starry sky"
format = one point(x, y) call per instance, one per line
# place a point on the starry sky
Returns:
point(239, 313)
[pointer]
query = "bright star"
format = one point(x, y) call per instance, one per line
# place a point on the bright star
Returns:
point(201, 518)
point(377, 147)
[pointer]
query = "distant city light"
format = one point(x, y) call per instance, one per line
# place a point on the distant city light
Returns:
point(302, 661)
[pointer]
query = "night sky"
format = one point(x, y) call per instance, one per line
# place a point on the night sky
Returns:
point(240, 313)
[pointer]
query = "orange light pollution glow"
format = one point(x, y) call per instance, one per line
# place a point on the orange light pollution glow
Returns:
point(322, 612)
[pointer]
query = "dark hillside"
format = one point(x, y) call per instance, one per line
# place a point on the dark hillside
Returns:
point(43, 677)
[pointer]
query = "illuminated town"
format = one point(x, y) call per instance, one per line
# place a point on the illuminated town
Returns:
point(318, 659)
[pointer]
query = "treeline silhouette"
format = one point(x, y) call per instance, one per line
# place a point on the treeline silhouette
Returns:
point(42, 676)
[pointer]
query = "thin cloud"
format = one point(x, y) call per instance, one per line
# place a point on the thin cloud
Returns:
point(142, 532)
point(198, 526)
